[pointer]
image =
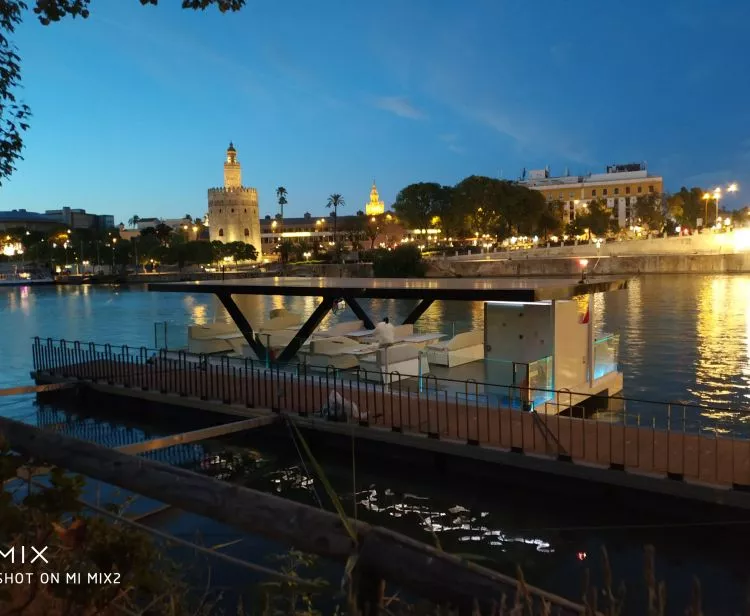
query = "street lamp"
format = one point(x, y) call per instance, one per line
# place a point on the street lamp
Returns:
point(583, 263)
point(114, 242)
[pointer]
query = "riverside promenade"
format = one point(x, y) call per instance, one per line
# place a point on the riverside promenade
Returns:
point(458, 422)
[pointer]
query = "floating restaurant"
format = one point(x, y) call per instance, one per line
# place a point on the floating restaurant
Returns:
point(520, 386)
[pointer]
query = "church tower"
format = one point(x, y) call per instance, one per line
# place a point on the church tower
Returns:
point(375, 207)
point(232, 170)
point(233, 209)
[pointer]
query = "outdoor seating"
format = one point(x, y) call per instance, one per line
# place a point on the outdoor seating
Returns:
point(462, 349)
point(212, 338)
point(340, 329)
point(335, 352)
point(391, 363)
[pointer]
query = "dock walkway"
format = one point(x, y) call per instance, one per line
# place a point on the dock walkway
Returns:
point(711, 468)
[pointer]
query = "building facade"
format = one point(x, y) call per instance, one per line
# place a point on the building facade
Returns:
point(619, 186)
point(233, 209)
point(80, 219)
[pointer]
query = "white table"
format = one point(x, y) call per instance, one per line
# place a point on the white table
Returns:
point(360, 333)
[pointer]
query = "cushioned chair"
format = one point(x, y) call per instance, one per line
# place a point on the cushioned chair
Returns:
point(332, 352)
point(391, 363)
point(202, 338)
point(461, 349)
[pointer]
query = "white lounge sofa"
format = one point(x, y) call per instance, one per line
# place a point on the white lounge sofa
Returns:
point(203, 338)
point(391, 363)
point(461, 349)
point(333, 352)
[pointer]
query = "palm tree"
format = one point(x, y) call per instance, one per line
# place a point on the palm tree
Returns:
point(335, 201)
point(281, 196)
point(133, 222)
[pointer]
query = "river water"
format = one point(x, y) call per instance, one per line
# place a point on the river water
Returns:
point(684, 339)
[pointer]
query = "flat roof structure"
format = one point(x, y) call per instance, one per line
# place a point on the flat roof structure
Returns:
point(428, 290)
point(447, 289)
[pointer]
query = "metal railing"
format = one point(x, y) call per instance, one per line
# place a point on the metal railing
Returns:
point(683, 444)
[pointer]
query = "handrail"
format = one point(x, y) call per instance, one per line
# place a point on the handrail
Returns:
point(139, 350)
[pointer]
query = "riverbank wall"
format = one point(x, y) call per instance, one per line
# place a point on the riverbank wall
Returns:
point(522, 265)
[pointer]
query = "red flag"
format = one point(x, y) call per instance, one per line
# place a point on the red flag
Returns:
point(585, 318)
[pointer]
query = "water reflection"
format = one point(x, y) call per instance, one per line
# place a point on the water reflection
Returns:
point(722, 328)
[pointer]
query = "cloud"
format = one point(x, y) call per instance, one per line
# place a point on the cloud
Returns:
point(400, 106)
point(452, 140)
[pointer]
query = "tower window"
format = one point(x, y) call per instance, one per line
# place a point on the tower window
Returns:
point(219, 211)
point(245, 210)
point(232, 210)
point(247, 232)
point(221, 232)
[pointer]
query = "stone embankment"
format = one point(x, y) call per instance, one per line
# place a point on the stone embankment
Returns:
point(520, 265)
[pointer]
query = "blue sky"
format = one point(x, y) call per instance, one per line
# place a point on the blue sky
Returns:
point(134, 107)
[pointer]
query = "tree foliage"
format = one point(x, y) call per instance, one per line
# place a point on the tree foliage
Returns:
point(14, 115)
point(597, 217)
point(649, 210)
point(402, 262)
point(418, 204)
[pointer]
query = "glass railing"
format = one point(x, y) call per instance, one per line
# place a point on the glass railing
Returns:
point(606, 355)
point(170, 336)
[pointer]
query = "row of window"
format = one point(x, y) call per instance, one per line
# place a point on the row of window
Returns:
point(246, 232)
point(232, 211)
point(605, 192)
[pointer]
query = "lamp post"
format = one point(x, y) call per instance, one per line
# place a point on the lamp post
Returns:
point(583, 263)
point(114, 245)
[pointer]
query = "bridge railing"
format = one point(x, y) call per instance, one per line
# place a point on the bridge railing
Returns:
point(461, 412)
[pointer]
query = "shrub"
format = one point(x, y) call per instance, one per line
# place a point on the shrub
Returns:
point(402, 262)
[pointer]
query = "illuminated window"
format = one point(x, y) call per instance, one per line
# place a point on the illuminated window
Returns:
point(247, 232)
point(221, 232)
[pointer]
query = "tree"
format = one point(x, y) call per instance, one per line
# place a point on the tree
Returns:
point(676, 206)
point(648, 208)
point(550, 220)
point(133, 220)
point(418, 204)
point(335, 201)
point(163, 232)
point(597, 218)
point(14, 115)
point(281, 194)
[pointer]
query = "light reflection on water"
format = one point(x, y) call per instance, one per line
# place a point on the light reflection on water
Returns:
point(683, 338)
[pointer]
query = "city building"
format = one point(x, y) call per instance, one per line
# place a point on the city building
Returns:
point(80, 219)
point(620, 186)
point(233, 209)
point(31, 221)
point(375, 207)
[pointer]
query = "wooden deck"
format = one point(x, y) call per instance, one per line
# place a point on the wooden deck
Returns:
point(459, 422)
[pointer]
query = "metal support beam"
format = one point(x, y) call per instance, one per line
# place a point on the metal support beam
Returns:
point(197, 435)
point(306, 330)
point(243, 325)
point(361, 314)
point(418, 311)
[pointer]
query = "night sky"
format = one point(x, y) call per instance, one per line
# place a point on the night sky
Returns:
point(134, 107)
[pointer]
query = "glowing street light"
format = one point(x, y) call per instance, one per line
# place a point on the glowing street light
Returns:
point(583, 263)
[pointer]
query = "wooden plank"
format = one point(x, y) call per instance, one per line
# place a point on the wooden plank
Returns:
point(435, 574)
point(198, 435)
point(33, 389)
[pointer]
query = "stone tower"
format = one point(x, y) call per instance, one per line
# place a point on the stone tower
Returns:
point(233, 209)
